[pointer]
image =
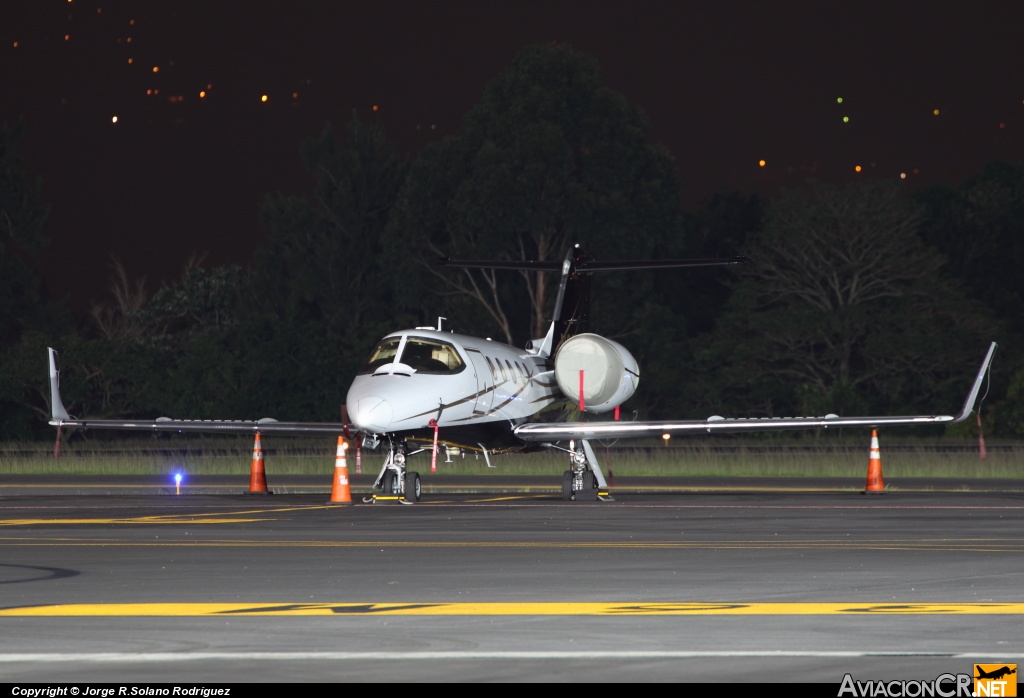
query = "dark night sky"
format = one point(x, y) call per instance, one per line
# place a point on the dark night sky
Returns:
point(724, 84)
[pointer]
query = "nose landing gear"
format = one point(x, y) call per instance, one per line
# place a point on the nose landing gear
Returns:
point(396, 484)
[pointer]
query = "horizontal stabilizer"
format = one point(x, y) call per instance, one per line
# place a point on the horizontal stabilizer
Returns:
point(591, 265)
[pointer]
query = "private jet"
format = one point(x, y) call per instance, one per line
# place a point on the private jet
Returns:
point(427, 386)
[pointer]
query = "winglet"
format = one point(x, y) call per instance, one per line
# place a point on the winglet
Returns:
point(57, 411)
point(973, 396)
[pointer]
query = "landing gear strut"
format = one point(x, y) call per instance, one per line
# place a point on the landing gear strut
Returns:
point(394, 481)
point(584, 481)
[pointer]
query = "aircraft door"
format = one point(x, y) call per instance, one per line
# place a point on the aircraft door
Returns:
point(484, 382)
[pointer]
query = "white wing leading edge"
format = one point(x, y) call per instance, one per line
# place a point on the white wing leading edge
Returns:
point(59, 418)
point(563, 431)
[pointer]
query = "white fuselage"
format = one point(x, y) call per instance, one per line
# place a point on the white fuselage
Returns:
point(416, 376)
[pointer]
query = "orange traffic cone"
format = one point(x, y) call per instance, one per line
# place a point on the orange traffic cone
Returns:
point(875, 483)
point(257, 478)
point(341, 492)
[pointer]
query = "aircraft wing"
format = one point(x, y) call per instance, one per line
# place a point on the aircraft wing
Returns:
point(59, 418)
point(563, 431)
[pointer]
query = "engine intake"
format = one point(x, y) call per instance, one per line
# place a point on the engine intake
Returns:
point(610, 373)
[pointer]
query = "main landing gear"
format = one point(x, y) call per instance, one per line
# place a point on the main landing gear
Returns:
point(396, 484)
point(584, 481)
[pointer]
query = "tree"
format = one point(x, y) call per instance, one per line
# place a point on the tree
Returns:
point(122, 319)
point(980, 225)
point(320, 288)
point(549, 157)
point(323, 256)
point(22, 218)
point(24, 310)
point(685, 304)
point(843, 309)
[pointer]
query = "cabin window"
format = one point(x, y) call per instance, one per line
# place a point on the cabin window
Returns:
point(522, 372)
point(494, 373)
point(383, 354)
point(431, 356)
point(511, 371)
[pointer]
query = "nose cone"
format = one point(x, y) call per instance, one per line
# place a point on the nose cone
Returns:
point(371, 414)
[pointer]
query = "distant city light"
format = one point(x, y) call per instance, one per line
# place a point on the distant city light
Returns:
point(903, 175)
point(128, 40)
point(264, 98)
point(15, 44)
point(666, 437)
point(131, 22)
point(202, 93)
point(375, 107)
point(67, 37)
point(1002, 124)
point(935, 112)
point(856, 168)
point(846, 119)
point(839, 100)
point(130, 61)
point(761, 163)
point(156, 69)
point(917, 171)
point(295, 95)
point(113, 120)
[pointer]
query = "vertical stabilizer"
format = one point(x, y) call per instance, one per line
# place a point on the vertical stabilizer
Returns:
point(572, 306)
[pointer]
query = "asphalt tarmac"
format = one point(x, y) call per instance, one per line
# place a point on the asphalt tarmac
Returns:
point(731, 580)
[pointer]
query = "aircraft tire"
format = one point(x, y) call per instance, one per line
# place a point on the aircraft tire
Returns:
point(389, 483)
point(412, 487)
point(589, 480)
point(567, 485)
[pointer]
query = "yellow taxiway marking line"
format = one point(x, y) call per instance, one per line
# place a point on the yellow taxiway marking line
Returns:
point(220, 517)
point(492, 609)
point(140, 520)
point(977, 545)
point(908, 546)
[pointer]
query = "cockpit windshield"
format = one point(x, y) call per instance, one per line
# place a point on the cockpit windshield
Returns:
point(431, 356)
point(423, 355)
point(383, 354)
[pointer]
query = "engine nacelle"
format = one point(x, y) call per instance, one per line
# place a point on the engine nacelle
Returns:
point(610, 373)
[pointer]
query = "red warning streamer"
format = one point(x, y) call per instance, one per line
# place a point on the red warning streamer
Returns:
point(433, 455)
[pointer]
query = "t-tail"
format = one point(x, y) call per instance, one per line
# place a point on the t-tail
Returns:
point(572, 305)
